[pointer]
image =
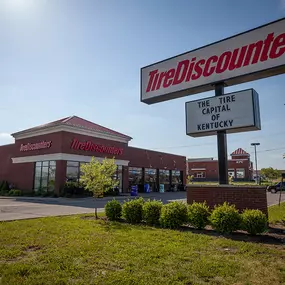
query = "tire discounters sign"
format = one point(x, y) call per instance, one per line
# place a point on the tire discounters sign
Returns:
point(234, 112)
point(252, 55)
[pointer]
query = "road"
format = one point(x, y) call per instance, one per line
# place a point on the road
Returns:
point(16, 208)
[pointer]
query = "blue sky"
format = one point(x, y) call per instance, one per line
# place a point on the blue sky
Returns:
point(83, 57)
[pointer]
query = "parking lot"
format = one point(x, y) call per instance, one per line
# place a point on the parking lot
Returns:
point(14, 208)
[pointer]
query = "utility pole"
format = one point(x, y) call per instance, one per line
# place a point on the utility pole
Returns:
point(257, 179)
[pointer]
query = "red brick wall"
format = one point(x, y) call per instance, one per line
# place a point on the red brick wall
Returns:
point(251, 197)
point(22, 174)
point(211, 166)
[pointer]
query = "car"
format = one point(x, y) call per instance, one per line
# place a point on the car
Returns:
point(275, 188)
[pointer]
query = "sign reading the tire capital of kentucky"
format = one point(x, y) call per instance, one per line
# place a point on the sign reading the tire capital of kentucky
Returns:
point(248, 56)
point(234, 112)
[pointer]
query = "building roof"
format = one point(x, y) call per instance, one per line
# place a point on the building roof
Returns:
point(239, 152)
point(77, 122)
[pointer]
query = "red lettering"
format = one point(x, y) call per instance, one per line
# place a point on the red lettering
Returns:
point(161, 75)
point(168, 79)
point(155, 82)
point(190, 70)
point(223, 62)
point(180, 75)
point(150, 81)
point(82, 146)
point(253, 53)
point(266, 46)
point(207, 72)
point(279, 43)
point(234, 63)
point(73, 143)
point(256, 48)
point(88, 146)
point(198, 69)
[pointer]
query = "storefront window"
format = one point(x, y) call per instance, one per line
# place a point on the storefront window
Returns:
point(231, 172)
point(135, 176)
point(200, 174)
point(240, 173)
point(72, 171)
point(150, 178)
point(176, 177)
point(164, 178)
point(119, 176)
point(44, 176)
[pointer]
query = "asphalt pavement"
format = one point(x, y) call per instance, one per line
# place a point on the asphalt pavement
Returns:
point(16, 208)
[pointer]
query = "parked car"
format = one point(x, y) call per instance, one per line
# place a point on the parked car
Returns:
point(275, 188)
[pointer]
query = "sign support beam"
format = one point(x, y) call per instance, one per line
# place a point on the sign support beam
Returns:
point(222, 144)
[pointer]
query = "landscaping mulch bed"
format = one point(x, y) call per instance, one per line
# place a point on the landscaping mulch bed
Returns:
point(275, 234)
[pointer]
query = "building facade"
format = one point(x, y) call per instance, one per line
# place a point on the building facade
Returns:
point(47, 156)
point(240, 167)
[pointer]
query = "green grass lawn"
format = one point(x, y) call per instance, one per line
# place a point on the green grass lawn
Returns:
point(276, 213)
point(71, 250)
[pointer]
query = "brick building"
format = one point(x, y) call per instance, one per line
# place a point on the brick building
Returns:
point(206, 169)
point(45, 157)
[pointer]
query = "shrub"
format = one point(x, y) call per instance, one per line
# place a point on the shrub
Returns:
point(198, 215)
point(4, 186)
point(132, 210)
point(151, 212)
point(225, 218)
point(254, 221)
point(14, 192)
point(113, 210)
point(173, 215)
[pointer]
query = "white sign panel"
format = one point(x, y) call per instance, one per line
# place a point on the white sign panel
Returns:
point(233, 112)
point(252, 55)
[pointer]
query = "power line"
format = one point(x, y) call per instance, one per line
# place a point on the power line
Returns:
point(213, 143)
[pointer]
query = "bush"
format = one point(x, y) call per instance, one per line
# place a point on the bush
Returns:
point(198, 215)
point(254, 221)
point(113, 210)
point(225, 218)
point(14, 192)
point(132, 210)
point(4, 187)
point(74, 189)
point(173, 215)
point(151, 212)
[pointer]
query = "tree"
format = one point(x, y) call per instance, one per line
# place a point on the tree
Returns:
point(190, 179)
point(99, 177)
point(270, 173)
point(230, 179)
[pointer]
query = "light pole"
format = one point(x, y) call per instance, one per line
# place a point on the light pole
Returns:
point(256, 144)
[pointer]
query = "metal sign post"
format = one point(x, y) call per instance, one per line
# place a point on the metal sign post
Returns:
point(281, 188)
point(222, 144)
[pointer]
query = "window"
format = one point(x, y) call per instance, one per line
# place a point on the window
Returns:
point(72, 171)
point(118, 176)
point(231, 172)
point(240, 173)
point(164, 178)
point(44, 176)
point(150, 176)
point(135, 176)
point(176, 176)
point(200, 174)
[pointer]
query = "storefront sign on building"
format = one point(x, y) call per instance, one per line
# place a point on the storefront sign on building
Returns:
point(35, 146)
point(234, 112)
point(90, 146)
point(248, 56)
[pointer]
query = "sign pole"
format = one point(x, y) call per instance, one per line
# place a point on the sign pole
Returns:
point(222, 144)
point(281, 188)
